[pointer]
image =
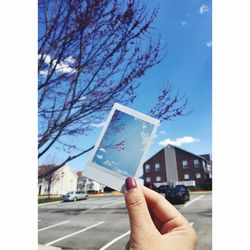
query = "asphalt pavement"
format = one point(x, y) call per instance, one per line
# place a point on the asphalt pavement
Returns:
point(102, 223)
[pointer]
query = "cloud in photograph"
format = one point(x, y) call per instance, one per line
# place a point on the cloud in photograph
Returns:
point(204, 8)
point(162, 132)
point(179, 141)
point(144, 126)
point(102, 149)
point(145, 138)
point(99, 156)
point(98, 125)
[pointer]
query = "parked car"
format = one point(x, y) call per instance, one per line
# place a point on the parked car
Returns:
point(178, 194)
point(74, 196)
point(163, 188)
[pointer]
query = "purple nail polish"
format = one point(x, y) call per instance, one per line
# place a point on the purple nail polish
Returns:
point(130, 183)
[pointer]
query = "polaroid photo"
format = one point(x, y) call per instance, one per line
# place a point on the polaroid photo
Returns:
point(121, 147)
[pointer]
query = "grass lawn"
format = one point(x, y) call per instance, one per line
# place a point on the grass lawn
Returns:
point(51, 199)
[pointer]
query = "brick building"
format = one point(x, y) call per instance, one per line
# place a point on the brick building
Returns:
point(173, 165)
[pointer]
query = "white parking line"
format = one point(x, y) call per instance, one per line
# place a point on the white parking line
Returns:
point(69, 235)
point(112, 204)
point(199, 197)
point(55, 225)
point(114, 240)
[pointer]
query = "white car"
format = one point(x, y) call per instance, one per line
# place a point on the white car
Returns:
point(74, 196)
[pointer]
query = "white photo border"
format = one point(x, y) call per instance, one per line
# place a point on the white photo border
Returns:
point(109, 177)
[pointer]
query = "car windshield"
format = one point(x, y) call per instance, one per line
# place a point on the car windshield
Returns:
point(69, 193)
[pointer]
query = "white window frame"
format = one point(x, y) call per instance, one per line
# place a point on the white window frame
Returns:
point(185, 166)
point(198, 174)
point(148, 170)
point(157, 169)
point(185, 177)
point(148, 179)
point(196, 163)
point(158, 178)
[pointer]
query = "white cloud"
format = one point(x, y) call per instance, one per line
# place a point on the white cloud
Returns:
point(100, 157)
point(144, 126)
point(44, 73)
point(46, 58)
point(209, 44)
point(69, 60)
point(62, 66)
point(203, 8)
point(179, 141)
point(82, 98)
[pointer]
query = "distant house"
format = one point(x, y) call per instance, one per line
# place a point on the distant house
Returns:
point(87, 185)
point(56, 180)
point(173, 165)
point(93, 186)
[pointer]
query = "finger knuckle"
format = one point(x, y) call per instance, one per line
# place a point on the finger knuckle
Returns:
point(134, 203)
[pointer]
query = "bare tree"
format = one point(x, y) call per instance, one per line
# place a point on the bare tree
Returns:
point(91, 54)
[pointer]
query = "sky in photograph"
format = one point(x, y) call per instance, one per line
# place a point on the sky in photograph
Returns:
point(123, 144)
point(185, 27)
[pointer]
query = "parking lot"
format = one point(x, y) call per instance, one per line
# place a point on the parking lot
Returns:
point(102, 222)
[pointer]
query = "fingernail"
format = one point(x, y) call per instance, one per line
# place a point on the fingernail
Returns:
point(130, 183)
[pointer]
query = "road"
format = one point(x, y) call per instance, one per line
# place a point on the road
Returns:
point(102, 222)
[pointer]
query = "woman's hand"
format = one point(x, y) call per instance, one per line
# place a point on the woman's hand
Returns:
point(155, 224)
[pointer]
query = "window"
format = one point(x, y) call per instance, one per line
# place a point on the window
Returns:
point(186, 176)
point(185, 164)
point(147, 168)
point(158, 178)
point(204, 165)
point(148, 179)
point(198, 175)
point(157, 167)
point(196, 163)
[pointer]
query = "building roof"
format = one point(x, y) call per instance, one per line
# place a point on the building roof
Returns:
point(45, 170)
point(79, 173)
point(199, 156)
point(206, 156)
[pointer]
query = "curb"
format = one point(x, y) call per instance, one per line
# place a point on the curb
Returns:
point(46, 203)
point(200, 192)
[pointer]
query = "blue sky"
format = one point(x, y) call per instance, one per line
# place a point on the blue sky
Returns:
point(186, 27)
point(133, 135)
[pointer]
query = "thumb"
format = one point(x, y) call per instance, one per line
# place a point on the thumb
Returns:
point(139, 216)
